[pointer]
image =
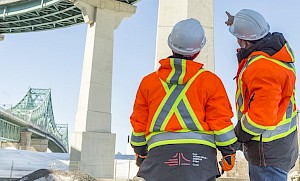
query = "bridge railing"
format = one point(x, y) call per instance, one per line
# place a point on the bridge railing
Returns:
point(9, 131)
point(7, 114)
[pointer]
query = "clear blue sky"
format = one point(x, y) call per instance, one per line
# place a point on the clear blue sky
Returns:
point(53, 59)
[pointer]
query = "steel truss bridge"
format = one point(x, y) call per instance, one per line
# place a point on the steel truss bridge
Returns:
point(34, 113)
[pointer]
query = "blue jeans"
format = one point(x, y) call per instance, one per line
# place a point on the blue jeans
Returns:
point(257, 173)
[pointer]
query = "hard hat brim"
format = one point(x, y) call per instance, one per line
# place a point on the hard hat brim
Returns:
point(184, 52)
point(231, 30)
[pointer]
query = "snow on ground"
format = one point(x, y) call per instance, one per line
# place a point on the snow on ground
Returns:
point(19, 163)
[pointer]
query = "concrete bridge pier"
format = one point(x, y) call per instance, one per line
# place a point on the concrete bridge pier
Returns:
point(31, 144)
point(39, 145)
point(93, 144)
point(25, 140)
point(169, 13)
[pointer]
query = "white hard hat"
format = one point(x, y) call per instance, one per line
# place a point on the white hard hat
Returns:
point(249, 25)
point(187, 37)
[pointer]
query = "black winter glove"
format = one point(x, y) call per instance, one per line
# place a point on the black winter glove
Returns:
point(139, 159)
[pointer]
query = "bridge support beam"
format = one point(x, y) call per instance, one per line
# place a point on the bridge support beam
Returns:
point(93, 144)
point(39, 145)
point(25, 140)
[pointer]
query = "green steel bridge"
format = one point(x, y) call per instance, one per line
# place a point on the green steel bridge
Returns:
point(34, 113)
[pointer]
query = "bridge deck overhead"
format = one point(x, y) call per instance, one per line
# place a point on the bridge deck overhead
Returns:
point(36, 15)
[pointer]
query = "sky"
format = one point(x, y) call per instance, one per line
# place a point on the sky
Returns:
point(53, 59)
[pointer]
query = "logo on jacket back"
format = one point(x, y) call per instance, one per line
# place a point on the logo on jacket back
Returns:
point(180, 160)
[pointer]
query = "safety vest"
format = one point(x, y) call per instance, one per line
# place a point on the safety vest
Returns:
point(287, 125)
point(175, 102)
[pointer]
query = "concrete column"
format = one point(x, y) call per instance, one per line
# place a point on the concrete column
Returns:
point(93, 144)
point(25, 140)
point(169, 13)
point(39, 145)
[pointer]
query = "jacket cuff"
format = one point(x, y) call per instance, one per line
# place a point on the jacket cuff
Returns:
point(230, 149)
point(140, 150)
point(242, 136)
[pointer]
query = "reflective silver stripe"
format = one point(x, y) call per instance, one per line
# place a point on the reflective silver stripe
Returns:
point(240, 100)
point(168, 136)
point(280, 129)
point(290, 50)
point(167, 107)
point(245, 122)
point(225, 137)
point(186, 117)
point(240, 103)
point(138, 139)
point(178, 71)
point(289, 110)
point(240, 115)
point(291, 65)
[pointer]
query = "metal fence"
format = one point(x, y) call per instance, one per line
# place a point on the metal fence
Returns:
point(123, 169)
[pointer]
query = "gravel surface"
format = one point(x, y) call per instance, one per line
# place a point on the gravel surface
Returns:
point(56, 175)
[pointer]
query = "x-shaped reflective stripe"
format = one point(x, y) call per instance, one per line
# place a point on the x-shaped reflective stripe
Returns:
point(176, 102)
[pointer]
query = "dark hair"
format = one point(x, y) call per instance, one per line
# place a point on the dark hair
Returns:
point(180, 56)
point(255, 41)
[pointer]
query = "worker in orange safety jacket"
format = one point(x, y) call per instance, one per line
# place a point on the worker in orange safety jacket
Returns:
point(265, 97)
point(182, 114)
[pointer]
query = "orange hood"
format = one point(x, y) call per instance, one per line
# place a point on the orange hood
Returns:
point(177, 71)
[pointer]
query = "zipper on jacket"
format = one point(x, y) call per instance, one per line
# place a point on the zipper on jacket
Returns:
point(251, 99)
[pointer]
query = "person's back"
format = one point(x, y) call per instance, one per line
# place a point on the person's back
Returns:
point(266, 107)
point(182, 114)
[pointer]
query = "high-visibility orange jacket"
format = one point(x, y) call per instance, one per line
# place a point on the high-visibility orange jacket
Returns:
point(265, 100)
point(181, 103)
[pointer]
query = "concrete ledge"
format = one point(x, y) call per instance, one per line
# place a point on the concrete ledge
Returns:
point(109, 4)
